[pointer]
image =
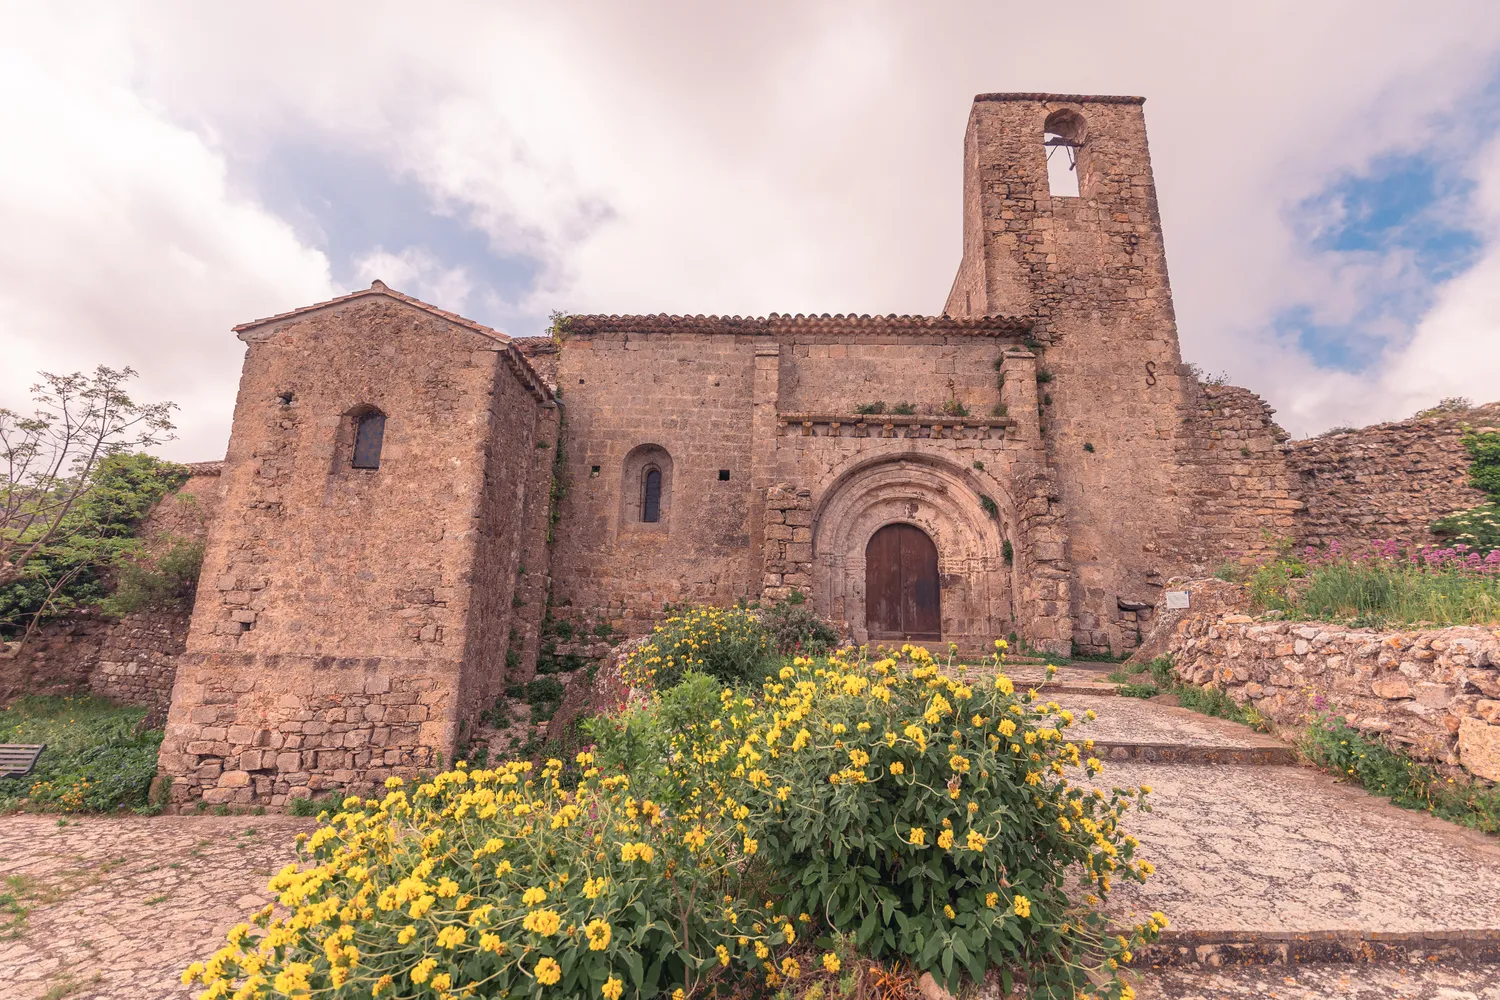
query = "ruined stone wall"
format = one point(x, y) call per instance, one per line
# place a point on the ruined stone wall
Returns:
point(1091, 272)
point(683, 386)
point(336, 603)
point(1234, 475)
point(1434, 693)
point(1389, 481)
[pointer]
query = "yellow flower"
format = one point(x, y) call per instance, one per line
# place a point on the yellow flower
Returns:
point(917, 837)
point(790, 968)
point(991, 899)
point(761, 951)
point(977, 840)
point(534, 896)
point(543, 922)
point(547, 971)
point(612, 988)
point(948, 912)
point(723, 954)
point(1022, 906)
point(598, 933)
point(751, 845)
point(450, 937)
point(441, 982)
point(791, 934)
point(1004, 685)
point(945, 839)
point(897, 767)
point(421, 970)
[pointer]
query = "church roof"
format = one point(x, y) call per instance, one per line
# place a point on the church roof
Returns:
point(378, 287)
point(775, 323)
point(535, 383)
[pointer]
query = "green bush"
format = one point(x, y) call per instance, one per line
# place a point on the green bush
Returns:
point(638, 740)
point(1477, 527)
point(796, 628)
point(96, 536)
point(149, 583)
point(1389, 587)
point(96, 759)
point(1330, 742)
point(930, 819)
point(729, 644)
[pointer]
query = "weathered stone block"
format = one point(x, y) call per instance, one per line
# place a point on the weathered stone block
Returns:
point(1479, 748)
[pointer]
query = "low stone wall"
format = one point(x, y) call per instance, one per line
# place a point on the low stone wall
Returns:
point(132, 660)
point(137, 661)
point(1435, 692)
point(262, 729)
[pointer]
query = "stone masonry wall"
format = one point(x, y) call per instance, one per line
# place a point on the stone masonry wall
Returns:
point(1436, 693)
point(263, 729)
point(1235, 478)
point(338, 604)
point(1389, 481)
point(788, 552)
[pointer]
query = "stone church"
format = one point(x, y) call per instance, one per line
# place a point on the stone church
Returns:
point(406, 492)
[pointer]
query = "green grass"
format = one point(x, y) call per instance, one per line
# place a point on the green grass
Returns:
point(1336, 746)
point(95, 761)
point(1376, 593)
point(1154, 678)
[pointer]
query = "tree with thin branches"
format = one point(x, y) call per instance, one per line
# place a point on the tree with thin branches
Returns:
point(48, 459)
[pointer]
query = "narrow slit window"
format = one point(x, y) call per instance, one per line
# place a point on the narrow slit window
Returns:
point(369, 434)
point(651, 501)
point(1062, 166)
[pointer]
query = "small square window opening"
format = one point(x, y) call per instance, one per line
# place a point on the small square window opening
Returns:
point(723, 475)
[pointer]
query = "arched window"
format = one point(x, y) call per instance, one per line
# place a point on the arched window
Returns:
point(646, 489)
point(369, 434)
point(651, 496)
point(1062, 137)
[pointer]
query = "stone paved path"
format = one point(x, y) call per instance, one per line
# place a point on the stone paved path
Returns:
point(120, 906)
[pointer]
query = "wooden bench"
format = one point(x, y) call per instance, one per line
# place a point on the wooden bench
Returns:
point(17, 759)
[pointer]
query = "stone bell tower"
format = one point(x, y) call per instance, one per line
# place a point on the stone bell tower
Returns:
point(1087, 264)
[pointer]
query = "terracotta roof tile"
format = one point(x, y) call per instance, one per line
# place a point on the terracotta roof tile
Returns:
point(784, 323)
point(1062, 98)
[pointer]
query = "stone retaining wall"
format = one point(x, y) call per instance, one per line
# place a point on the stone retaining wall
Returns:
point(1434, 692)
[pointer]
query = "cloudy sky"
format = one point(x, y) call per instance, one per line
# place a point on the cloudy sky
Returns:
point(1329, 173)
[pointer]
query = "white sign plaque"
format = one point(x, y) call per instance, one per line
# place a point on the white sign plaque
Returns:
point(1177, 600)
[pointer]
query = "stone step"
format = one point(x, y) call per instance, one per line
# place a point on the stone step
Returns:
point(1258, 865)
point(1406, 981)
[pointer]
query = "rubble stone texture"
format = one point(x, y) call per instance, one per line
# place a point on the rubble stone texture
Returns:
point(1435, 693)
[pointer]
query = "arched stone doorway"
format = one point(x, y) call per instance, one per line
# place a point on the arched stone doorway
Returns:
point(944, 502)
point(902, 595)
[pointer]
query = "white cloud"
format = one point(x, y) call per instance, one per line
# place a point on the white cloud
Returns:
point(417, 272)
point(711, 158)
point(123, 246)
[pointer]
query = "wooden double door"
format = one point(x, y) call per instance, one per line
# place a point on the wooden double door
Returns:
point(902, 599)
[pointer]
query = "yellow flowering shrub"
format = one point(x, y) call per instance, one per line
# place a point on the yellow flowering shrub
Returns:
point(729, 644)
point(498, 883)
point(933, 816)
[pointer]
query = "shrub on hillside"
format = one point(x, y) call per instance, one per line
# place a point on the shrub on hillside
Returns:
point(928, 815)
point(729, 644)
point(498, 883)
point(796, 628)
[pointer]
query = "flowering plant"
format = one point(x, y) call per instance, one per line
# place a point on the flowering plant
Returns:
point(729, 644)
point(928, 813)
point(498, 883)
